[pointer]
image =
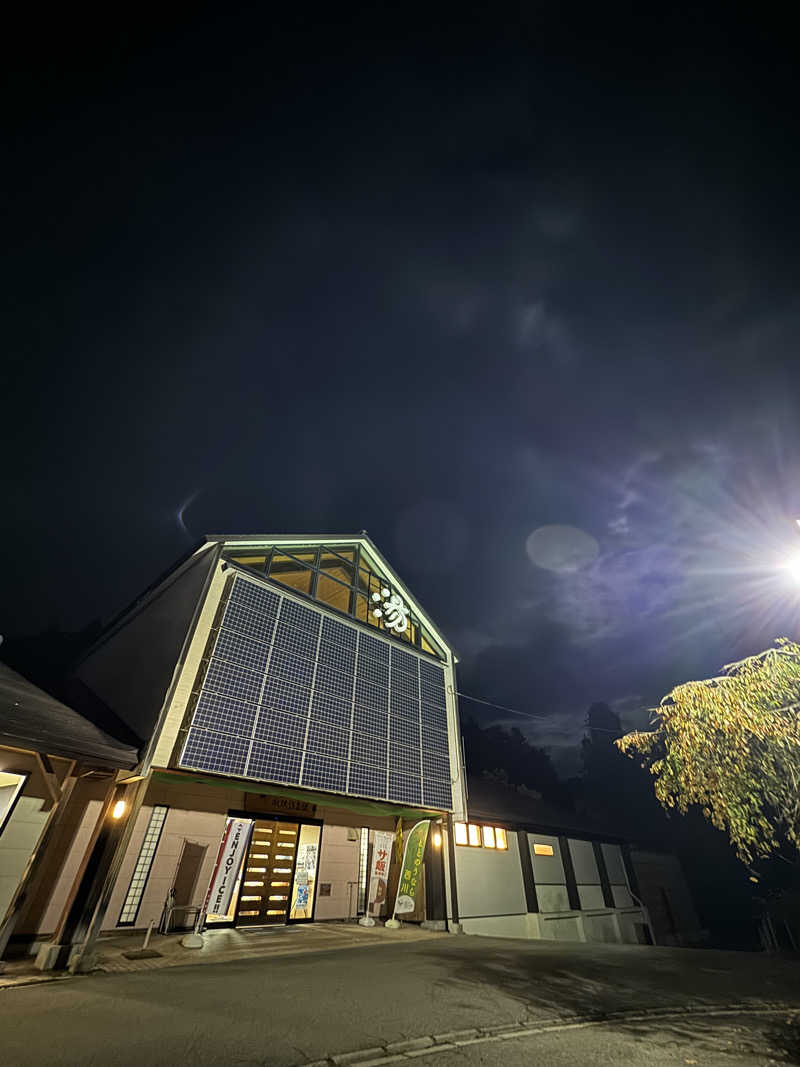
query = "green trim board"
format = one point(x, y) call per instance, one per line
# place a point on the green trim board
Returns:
point(326, 800)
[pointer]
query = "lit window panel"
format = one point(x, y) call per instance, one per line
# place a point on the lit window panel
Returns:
point(488, 836)
point(500, 838)
point(461, 833)
point(542, 850)
point(474, 833)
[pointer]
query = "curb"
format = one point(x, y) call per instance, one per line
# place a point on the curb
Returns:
point(429, 1044)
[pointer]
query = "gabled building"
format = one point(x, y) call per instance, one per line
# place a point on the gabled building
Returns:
point(292, 686)
point(289, 698)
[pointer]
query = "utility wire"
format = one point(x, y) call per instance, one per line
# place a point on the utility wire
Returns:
point(523, 714)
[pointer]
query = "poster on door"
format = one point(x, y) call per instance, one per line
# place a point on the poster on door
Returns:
point(379, 873)
point(229, 862)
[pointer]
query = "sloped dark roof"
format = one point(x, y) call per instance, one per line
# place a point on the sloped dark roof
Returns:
point(32, 719)
point(489, 800)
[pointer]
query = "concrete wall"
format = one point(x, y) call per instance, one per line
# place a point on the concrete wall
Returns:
point(492, 902)
point(490, 886)
point(181, 824)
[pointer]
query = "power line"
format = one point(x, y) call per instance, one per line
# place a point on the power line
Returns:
point(524, 714)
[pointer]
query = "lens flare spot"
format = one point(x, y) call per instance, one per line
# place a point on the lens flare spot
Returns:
point(563, 549)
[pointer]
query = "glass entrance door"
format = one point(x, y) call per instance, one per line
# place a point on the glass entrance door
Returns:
point(305, 875)
point(267, 877)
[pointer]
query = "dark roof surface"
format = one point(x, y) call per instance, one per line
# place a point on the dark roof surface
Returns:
point(32, 719)
point(493, 801)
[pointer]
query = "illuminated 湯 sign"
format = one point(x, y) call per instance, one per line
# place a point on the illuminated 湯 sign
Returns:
point(390, 608)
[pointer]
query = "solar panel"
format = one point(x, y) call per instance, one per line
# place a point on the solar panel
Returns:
point(291, 695)
point(437, 794)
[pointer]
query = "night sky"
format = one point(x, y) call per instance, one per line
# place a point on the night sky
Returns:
point(447, 279)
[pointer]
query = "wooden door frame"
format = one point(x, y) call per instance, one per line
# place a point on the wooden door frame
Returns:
point(299, 821)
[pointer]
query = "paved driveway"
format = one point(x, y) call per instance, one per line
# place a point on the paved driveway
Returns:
point(293, 1010)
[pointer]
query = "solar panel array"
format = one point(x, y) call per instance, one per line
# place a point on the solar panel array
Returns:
point(292, 695)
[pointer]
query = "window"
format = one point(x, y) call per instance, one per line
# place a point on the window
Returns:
point(542, 850)
point(292, 572)
point(144, 862)
point(481, 836)
point(333, 592)
point(341, 576)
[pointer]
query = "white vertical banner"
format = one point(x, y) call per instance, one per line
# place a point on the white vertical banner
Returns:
point(379, 871)
point(229, 862)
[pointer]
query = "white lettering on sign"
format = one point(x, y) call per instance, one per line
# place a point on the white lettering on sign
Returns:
point(390, 608)
point(226, 871)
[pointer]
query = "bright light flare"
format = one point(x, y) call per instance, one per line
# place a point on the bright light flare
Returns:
point(792, 567)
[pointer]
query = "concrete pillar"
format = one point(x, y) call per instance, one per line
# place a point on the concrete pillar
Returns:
point(81, 921)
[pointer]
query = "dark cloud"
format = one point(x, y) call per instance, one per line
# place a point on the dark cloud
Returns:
point(452, 283)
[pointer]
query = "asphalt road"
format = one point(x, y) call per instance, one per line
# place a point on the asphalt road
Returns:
point(293, 1010)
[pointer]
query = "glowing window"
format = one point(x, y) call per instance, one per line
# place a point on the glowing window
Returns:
point(500, 838)
point(273, 911)
point(278, 883)
point(474, 833)
point(461, 833)
point(141, 872)
point(283, 857)
point(257, 870)
point(254, 883)
point(488, 836)
point(292, 833)
point(277, 897)
point(282, 870)
point(250, 898)
point(248, 913)
point(542, 850)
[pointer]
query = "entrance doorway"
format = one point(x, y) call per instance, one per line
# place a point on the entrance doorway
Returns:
point(267, 877)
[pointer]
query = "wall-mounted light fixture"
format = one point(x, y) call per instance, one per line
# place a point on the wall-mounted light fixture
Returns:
point(437, 839)
point(119, 809)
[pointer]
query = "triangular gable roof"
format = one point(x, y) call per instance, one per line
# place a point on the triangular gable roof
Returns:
point(362, 538)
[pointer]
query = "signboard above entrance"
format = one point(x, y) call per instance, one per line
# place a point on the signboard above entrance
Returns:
point(279, 805)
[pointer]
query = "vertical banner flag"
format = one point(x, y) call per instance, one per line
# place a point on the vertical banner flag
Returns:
point(379, 875)
point(411, 872)
point(229, 860)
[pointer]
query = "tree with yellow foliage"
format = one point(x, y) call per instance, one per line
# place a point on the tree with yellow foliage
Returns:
point(731, 745)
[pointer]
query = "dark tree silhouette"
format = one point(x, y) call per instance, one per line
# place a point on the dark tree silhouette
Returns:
point(508, 755)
